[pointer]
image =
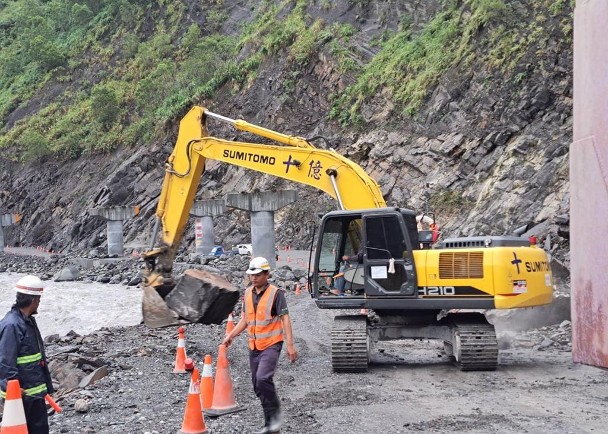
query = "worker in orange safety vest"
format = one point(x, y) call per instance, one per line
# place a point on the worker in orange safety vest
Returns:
point(266, 318)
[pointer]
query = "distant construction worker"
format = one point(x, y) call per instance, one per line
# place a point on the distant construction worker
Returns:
point(22, 354)
point(266, 318)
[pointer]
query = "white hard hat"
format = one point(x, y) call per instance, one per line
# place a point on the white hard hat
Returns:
point(257, 265)
point(31, 285)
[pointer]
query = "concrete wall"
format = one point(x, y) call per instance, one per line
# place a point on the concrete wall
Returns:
point(589, 185)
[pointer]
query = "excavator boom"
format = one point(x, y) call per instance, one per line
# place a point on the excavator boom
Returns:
point(296, 160)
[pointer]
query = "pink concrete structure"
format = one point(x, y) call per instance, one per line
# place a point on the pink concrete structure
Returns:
point(589, 185)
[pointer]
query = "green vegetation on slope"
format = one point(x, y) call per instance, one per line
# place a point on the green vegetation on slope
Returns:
point(74, 78)
point(118, 79)
point(489, 32)
point(121, 80)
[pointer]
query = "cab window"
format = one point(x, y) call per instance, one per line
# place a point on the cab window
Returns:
point(384, 238)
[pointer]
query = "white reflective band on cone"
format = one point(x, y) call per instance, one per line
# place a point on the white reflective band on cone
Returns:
point(13, 413)
point(207, 371)
point(194, 388)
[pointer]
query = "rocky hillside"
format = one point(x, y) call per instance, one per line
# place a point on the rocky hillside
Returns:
point(459, 107)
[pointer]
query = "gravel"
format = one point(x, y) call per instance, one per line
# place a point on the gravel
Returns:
point(411, 386)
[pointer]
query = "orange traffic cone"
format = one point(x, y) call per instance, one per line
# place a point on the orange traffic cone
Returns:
point(194, 422)
point(207, 383)
point(13, 421)
point(223, 395)
point(297, 289)
point(180, 356)
point(229, 324)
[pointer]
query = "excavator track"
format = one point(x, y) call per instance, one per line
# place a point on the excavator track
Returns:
point(349, 344)
point(475, 347)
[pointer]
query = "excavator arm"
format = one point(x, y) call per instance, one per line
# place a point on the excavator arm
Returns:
point(296, 160)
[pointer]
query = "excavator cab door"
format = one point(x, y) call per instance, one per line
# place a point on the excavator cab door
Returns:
point(337, 237)
point(388, 260)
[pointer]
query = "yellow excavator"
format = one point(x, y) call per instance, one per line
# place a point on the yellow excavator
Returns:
point(367, 255)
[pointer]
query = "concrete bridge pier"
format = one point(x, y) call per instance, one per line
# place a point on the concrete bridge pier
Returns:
point(7, 220)
point(115, 216)
point(262, 206)
point(204, 234)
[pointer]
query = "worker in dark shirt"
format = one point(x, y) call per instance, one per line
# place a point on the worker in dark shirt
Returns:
point(22, 354)
point(266, 318)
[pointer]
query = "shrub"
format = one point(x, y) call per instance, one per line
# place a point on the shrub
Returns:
point(35, 144)
point(80, 14)
point(104, 106)
point(446, 201)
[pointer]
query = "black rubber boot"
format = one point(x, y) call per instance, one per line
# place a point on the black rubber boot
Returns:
point(276, 421)
point(264, 430)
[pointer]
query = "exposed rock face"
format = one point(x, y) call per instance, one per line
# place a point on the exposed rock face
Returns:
point(487, 151)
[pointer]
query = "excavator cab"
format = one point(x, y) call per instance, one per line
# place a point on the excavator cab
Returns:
point(380, 263)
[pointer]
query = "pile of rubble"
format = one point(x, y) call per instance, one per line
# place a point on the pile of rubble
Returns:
point(555, 336)
point(38, 265)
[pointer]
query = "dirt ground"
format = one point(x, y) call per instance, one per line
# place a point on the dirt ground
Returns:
point(410, 387)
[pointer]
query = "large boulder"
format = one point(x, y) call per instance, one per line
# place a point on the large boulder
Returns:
point(204, 297)
point(67, 274)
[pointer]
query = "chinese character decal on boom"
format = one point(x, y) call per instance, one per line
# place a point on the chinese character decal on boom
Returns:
point(290, 162)
point(315, 169)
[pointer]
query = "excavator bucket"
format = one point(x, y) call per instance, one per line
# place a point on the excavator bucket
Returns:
point(155, 311)
point(198, 296)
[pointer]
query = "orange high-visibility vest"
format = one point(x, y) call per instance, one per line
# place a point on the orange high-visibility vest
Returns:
point(435, 229)
point(263, 329)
